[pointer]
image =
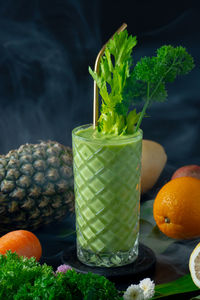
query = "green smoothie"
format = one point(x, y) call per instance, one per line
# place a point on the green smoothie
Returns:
point(107, 192)
point(107, 159)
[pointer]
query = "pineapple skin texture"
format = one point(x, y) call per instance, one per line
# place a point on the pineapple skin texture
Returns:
point(36, 186)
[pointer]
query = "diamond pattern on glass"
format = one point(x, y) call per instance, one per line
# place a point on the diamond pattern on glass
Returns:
point(107, 195)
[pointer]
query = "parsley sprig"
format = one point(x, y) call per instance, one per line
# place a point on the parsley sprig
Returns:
point(122, 84)
point(25, 279)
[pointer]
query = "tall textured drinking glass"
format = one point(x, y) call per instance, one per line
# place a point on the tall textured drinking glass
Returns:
point(107, 196)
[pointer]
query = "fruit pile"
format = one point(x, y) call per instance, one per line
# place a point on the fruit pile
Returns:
point(176, 211)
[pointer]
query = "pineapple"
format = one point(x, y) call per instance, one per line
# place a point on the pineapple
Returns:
point(36, 185)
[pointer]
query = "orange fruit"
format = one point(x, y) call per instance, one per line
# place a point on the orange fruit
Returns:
point(176, 208)
point(23, 242)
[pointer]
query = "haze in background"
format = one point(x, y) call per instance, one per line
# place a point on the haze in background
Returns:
point(45, 87)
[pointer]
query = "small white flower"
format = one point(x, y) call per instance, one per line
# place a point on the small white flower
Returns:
point(134, 292)
point(148, 287)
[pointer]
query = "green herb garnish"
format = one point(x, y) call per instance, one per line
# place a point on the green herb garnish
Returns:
point(25, 279)
point(122, 85)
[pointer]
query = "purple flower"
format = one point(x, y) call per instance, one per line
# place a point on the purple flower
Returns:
point(63, 268)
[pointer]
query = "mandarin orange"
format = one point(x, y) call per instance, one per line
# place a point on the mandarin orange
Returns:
point(23, 242)
point(176, 208)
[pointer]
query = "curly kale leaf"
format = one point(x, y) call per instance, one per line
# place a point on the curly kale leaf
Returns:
point(25, 279)
point(151, 74)
point(93, 286)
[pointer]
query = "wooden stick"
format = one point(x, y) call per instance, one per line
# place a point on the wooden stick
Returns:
point(96, 69)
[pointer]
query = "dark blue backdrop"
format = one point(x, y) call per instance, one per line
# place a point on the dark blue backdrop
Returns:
point(46, 47)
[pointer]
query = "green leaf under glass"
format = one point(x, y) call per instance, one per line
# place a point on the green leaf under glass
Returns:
point(182, 285)
point(150, 234)
point(194, 298)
